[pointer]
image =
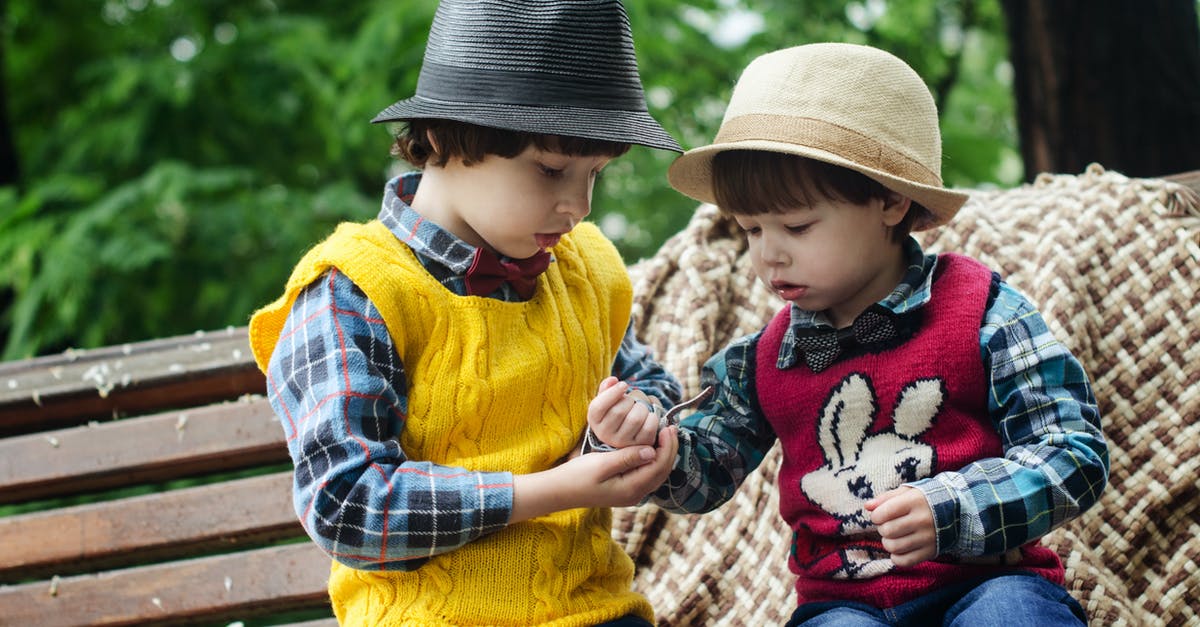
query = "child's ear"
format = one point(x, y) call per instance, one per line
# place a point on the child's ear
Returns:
point(895, 207)
point(433, 144)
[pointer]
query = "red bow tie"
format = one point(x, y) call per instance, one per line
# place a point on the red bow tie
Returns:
point(487, 273)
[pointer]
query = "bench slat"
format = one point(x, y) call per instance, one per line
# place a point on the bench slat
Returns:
point(80, 385)
point(146, 528)
point(136, 450)
point(224, 587)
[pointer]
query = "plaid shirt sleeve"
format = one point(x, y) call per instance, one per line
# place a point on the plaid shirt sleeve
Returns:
point(1055, 462)
point(336, 381)
point(721, 443)
point(634, 363)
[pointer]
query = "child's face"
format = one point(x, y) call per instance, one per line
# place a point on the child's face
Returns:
point(834, 256)
point(521, 205)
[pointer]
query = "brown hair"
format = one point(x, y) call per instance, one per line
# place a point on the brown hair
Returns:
point(472, 143)
point(754, 182)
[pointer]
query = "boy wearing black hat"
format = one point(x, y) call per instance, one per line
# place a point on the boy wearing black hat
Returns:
point(931, 426)
point(432, 368)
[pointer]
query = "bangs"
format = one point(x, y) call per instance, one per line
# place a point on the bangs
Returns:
point(473, 143)
point(752, 182)
point(575, 146)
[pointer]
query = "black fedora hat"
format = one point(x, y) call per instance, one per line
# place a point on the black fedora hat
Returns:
point(557, 67)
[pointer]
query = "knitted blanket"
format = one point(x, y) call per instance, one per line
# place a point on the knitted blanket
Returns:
point(1112, 262)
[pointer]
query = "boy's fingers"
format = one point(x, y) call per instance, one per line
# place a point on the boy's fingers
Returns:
point(880, 499)
point(614, 392)
point(610, 465)
point(668, 443)
point(912, 557)
point(893, 504)
point(901, 543)
point(634, 457)
point(608, 402)
point(883, 512)
point(649, 430)
point(634, 419)
point(662, 456)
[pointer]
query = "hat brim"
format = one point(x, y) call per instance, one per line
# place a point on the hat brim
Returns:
point(630, 127)
point(691, 175)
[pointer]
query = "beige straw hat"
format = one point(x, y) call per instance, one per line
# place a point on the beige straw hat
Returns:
point(853, 106)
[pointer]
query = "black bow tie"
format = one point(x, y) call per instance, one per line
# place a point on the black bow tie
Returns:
point(820, 347)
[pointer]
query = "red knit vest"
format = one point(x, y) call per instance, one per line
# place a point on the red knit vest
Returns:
point(868, 424)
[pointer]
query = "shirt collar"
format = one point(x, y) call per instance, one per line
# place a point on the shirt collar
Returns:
point(911, 293)
point(427, 239)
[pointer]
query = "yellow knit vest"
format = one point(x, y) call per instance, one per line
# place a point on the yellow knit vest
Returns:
point(492, 386)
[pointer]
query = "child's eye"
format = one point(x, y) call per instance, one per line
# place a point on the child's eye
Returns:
point(751, 230)
point(550, 172)
point(798, 228)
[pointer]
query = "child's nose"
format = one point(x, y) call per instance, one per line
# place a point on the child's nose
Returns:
point(577, 203)
point(772, 252)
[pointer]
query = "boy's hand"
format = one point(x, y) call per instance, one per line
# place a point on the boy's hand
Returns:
point(622, 478)
point(614, 479)
point(905, 523)
point(620, 416)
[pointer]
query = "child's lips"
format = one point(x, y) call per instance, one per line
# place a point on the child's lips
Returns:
point(789, 291)
point(547, 240)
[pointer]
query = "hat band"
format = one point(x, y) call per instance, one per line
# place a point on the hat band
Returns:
point(831, 138)
point(475, 85)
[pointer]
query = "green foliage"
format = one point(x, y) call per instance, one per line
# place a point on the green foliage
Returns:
point(178, 157)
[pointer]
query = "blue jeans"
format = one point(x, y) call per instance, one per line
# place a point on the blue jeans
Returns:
point(1014, 600)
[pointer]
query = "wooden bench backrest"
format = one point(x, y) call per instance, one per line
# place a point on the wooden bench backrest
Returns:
point(149, 484)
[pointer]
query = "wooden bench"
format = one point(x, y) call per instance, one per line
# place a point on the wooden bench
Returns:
point(149, 484)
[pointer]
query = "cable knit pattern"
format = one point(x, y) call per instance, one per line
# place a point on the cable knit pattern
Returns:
point(479, 373)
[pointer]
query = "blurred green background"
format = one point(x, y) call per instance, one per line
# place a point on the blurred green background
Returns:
point(174, 159)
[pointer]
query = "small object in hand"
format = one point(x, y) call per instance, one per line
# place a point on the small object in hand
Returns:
point(650, 407)
point(592, 444)
point(672, 415)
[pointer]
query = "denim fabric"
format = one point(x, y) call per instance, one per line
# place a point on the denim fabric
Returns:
point(1012, 600)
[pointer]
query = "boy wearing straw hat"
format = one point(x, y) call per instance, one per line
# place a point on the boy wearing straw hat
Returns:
point(432, 368)
point(931, 427)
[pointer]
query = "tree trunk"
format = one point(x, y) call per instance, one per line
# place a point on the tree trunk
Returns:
point(1109, 82)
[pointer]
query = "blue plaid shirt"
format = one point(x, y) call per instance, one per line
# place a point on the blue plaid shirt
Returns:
point(1055, 461)
point(336, 381)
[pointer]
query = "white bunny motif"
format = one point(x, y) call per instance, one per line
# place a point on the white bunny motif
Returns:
point(859, 466)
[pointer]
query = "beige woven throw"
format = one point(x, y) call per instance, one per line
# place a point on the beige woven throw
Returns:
point(1112, 262)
